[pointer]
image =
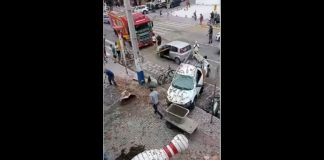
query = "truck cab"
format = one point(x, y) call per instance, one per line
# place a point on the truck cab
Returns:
point(143, 27)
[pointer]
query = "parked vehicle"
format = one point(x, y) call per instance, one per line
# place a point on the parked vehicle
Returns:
point(143, 27)
point(157, 4)
point(175, 50)
point(141, 9)
point(186, 85)
point(175, 3)
point(218, 36)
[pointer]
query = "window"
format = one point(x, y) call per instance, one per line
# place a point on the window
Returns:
point(166, 47)
point(174, 49)
point(183, 82)
point(185, 49)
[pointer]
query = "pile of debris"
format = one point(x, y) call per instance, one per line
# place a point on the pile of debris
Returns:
point(130, 88)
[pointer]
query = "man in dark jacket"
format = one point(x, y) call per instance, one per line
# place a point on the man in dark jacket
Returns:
point(111, 76)
point(212, 15)
point(210, 34)
point(159, 40)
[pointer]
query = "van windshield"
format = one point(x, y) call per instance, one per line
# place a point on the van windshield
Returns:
point(183, 82)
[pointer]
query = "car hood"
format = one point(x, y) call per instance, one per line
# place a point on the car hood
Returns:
point(179, 96)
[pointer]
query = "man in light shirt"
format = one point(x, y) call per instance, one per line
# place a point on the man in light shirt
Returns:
point(154, 100)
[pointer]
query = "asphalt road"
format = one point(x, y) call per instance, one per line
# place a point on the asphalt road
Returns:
point(176, 28)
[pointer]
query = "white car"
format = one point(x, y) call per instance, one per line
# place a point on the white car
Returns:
point(186, 85)
point(218, 36)
point(142, 9)
point(176, 50)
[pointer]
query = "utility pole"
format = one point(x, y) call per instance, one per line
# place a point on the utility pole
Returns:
point(133, 38)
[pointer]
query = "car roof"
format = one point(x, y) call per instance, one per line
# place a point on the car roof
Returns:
point(186, 69)
point(179, 44)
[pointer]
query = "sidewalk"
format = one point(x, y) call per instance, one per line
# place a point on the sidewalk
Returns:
point(120, 70)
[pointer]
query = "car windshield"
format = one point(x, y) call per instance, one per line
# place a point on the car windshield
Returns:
point(142, 27)
point(183, 82)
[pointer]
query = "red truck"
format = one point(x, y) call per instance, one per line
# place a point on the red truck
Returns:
point(143, 27)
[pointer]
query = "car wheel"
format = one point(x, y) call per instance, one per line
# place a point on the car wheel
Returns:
point(177, 60)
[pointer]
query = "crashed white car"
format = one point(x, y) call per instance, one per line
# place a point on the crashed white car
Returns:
point(186, 85)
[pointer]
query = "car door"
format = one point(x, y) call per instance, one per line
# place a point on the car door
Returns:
point(173, 52)
point(199, 81)
point(164, 50)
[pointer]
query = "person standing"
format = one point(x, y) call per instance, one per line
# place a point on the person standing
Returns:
point(196, 47)
point(212, 17)
point(154, 40)
point(154, 100)
point(210, 34)
point(195, 16)
point(159, 40)
point(113, 49)
point(201, 18)
point(111, 76)
point(118, 48)
point(161, 12)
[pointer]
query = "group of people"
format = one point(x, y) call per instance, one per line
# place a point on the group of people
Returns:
point(201, 18)
point(214, 18)
point(157, 40)
point(116, 51)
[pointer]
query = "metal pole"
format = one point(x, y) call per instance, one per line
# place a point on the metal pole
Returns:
point(121, 42)
point(133, 38)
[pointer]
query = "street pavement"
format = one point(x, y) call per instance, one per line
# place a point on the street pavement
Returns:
point(133, 124)
point(175, 28)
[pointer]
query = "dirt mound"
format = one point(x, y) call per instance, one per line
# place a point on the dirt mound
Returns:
point(132, 86)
